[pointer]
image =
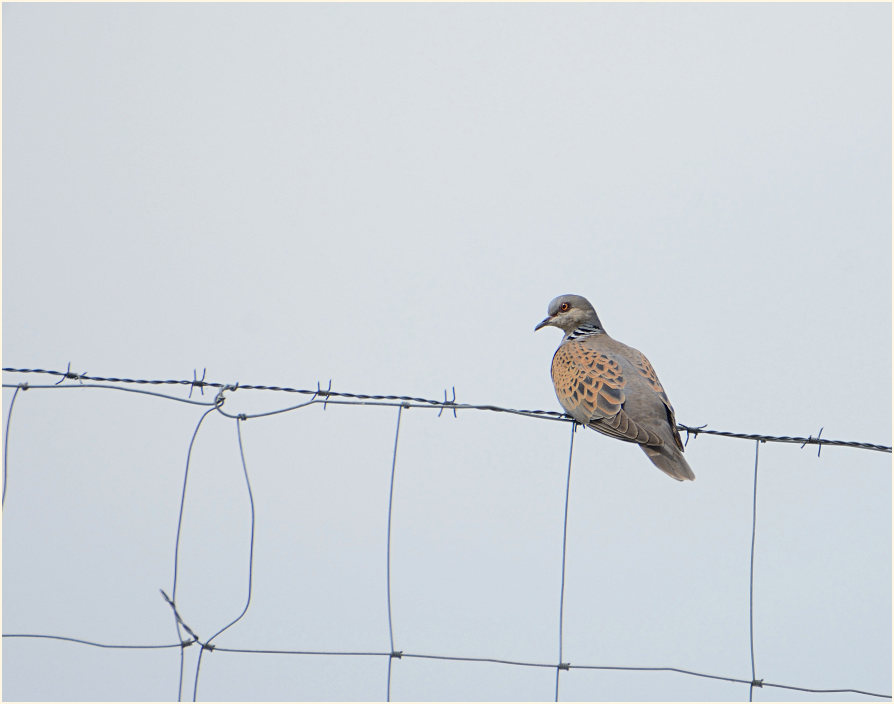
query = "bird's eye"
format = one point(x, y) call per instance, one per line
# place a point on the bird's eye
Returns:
point(564, 307)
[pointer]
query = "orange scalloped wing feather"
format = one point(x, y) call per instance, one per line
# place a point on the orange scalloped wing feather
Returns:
point(589, 384)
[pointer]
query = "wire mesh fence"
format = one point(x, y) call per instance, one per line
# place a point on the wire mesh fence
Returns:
point(189, 639)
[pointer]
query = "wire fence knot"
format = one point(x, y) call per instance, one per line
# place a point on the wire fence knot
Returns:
point(757, 683)
point(564, 666)
point(397, 654)
point(177, 617)
point(220, 398)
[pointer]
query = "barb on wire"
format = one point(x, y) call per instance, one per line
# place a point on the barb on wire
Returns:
point(197, 383)
point(693, 431)
point(325, 393)
point(818, 442)
point(68, 374)
point(451, 403)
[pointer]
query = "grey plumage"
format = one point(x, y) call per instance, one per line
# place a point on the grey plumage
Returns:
point(611, 387)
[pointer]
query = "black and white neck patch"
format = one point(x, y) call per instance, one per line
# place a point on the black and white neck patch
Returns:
point(584, 331)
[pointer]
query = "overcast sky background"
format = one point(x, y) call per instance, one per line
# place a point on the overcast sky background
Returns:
point(388, 196)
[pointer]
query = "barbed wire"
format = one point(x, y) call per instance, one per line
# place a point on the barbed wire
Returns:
point(326, 396)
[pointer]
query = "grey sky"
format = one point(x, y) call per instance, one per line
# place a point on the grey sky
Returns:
point(388, 196)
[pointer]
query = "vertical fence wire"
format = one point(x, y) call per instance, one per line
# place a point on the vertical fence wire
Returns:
point(251, 552)
point(12, 404)
point(757, 449)
point(173, 600)
point(388, 552)
point(561, 664)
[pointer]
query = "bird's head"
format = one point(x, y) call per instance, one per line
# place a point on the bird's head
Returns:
point(569, 312)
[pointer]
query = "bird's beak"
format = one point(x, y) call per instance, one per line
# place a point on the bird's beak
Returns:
point(543, 323)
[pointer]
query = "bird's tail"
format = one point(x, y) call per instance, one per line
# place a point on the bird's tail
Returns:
point(670, 461)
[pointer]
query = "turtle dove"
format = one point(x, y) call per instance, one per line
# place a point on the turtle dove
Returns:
point(612, 388)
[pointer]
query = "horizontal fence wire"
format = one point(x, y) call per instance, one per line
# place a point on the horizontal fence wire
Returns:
point(324, 396)
point(186, 637)
point(454, 658)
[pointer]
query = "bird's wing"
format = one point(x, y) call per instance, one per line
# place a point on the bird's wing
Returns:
point(648, 372)
point(590, 385)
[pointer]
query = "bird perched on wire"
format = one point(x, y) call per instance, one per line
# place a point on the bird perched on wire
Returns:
point(611, 387)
